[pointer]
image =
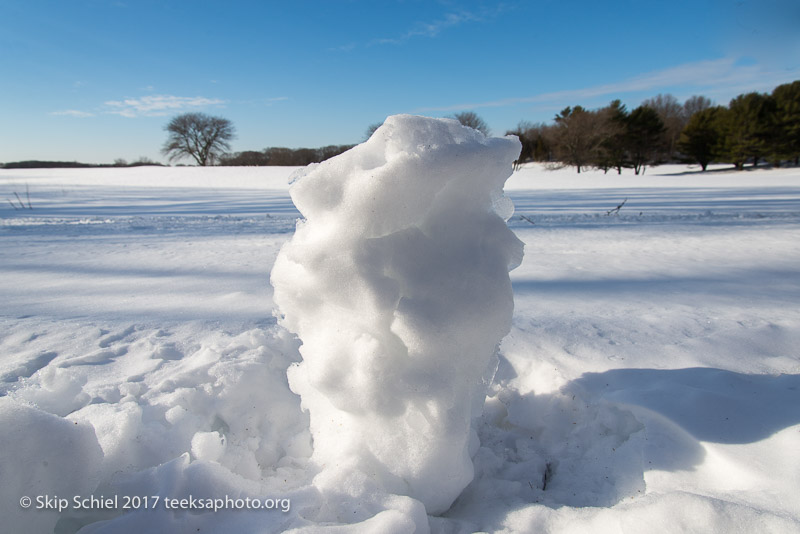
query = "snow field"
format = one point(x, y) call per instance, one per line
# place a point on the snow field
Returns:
point(649, 380)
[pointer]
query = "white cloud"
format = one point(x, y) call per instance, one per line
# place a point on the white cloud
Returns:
point(158, 105)
point(72, 113)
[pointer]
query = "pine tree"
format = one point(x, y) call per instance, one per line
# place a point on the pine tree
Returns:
point(701, 136)
point(644, 138)
point(787, 109)
point(611, 152)
point(749, 128)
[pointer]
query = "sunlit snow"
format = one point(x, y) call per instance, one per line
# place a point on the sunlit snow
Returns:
point(650, 380)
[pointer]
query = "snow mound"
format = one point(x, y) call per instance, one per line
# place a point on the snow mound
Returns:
point(397, 284)
point(47, 460)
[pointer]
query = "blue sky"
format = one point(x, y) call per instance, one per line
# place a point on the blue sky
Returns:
point(96, 80)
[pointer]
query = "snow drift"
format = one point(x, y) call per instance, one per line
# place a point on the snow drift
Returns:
point(397, 284)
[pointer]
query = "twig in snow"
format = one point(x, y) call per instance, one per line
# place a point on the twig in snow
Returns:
point(526, 219)
point(21, 203)
point(615, 211)
point(548, 474)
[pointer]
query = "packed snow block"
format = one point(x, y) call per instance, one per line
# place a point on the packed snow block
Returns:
point(396, 282)
point(45, 462)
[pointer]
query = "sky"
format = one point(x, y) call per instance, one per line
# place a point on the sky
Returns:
point(97, 80)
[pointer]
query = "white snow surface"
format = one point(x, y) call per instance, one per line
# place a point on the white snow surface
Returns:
point(650, 380)
point(397, 284)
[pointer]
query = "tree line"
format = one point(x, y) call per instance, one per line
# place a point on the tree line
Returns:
point(753, 127)
point(282, 156)
point(38, 164)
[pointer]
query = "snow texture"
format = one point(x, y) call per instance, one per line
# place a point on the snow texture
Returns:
point(650, 380)
point(396, 282)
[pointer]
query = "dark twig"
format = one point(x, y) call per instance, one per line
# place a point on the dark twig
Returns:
point(615, 211)
point(548, 474)
point(526, 219)
point(21, 203)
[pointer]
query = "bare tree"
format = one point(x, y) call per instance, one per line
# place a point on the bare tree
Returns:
point(199, 136)
point(672, 114)
point(537, 142)
point(371, 130)
point(695, 104)
point(577, 136)
point(471, 119)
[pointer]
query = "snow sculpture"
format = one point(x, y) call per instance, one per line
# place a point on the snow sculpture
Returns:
point(397, 284)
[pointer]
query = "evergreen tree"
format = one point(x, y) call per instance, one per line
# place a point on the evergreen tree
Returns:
point(611, 153)
point(787, 108)
point(749, 128)
point(644, 138)
point(701, 136)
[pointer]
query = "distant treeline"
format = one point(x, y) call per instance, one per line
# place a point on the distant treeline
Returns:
point(282, 156)
point(36, 164)
point(753, 127)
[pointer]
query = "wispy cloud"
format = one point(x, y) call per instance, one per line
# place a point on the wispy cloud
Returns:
point(718, 76)
point(72, 113)
point(430, 29)
point(344, 48)
point(158, 105)
point(264, 101)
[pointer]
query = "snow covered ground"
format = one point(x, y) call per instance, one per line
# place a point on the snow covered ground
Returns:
point(650, 381)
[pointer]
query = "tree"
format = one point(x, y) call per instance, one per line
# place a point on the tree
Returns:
point(787, 103)
point(471, 119)
point(644, 137)
point(672, 114)
point(577, 137)
point(700, 138)
point(199, 136)
point(695, 104)
point(371, 130)
point(611, 152)
point(247, 158)
point(749, 128)
point(536, 141)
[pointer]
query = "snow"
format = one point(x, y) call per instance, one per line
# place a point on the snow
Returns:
point(649, 381)
point(396, 282)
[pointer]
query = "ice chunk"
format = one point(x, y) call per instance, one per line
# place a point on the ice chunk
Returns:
point(397, 284)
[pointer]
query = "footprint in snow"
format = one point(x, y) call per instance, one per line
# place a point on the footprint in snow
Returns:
point(100, 357)
point(109, 339)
